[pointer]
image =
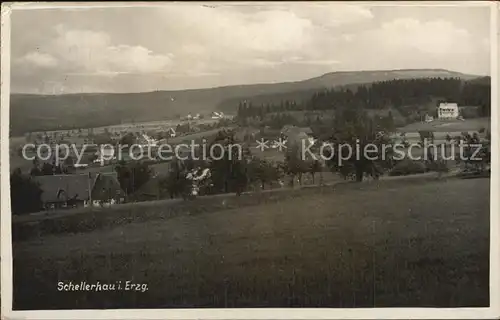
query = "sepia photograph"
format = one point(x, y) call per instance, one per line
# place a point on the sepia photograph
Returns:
point(249, 156)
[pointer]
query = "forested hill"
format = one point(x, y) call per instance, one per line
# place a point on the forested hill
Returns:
point(398, 94)
point(408, 99)
point(45, 112)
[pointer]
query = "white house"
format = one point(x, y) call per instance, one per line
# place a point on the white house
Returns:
point(148, 141)
point(448, 110)
point(171, 132)
point(217, 115)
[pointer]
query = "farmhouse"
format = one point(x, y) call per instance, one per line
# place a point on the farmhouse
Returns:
point(295, 135)
point(448, 110)
point(61, 191)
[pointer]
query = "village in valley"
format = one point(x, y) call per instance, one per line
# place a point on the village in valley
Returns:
point(71, 183)
point(109, 172)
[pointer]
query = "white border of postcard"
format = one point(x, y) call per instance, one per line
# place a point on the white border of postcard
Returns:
point(296, 313)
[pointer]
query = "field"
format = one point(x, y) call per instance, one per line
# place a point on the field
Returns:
point(17, 161)
point(449, 125)
point(379, 244)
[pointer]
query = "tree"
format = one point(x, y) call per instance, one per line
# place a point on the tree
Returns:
point(25, 194)
point(128, 139)
point(477, 152)
point(176, 183)
point(354, 130)
point(47, 169)
point(262, 171)
point(387, 123)
point(35, 171)
point(69, 164)
point(448, 138)
point(132, 175)
point(106, 139)
point(314, 167)
point(295, 166)
point(229, 168)
point(426, 135)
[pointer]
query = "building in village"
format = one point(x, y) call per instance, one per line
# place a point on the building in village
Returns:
point(217, 115)
point(448, 110)
point(301, 136)
point(80, 190)
point(171, 132)
point(146, 141)
point(198, 183)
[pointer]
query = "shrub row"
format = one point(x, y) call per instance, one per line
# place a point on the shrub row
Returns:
point(408, 167)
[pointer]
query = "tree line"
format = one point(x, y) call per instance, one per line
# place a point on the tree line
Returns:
point(403, 95)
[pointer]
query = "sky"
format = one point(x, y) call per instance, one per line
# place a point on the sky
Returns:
point(191, 45)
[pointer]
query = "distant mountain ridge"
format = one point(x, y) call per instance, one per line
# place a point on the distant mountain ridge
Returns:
point(32, 112)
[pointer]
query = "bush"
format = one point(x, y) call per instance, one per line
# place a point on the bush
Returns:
point(437, 166)
point(406, 167)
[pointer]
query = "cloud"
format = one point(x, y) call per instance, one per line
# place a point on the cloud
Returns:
point(436, 37)
point(270, 30)
point(332, 15)
point(87, 52)
point(231, 36)
point(217, 29)
point(37, 59)
point(411, 43)
point(320, 62)
point(189, 45)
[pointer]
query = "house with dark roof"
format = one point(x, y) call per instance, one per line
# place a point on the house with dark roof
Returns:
point(72, 190)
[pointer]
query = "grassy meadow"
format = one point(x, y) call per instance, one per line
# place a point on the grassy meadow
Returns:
point(394, 243)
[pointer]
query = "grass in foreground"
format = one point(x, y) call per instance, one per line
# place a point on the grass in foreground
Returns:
point(398, 245)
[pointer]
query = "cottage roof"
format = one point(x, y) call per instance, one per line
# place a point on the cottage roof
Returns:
point(448, 105)
point(58, 188)
point(73, 185)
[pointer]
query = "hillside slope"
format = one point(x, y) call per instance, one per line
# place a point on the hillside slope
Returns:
point(43, 112)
